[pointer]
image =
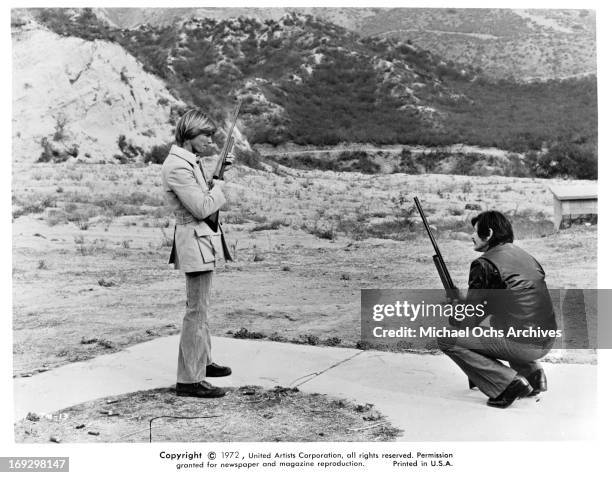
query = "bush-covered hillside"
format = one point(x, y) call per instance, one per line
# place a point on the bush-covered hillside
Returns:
point(312, 82)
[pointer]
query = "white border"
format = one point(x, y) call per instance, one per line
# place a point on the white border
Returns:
point(497, 459)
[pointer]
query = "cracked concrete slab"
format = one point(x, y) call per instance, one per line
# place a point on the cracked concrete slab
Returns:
point(424, 395)
point(153, 364)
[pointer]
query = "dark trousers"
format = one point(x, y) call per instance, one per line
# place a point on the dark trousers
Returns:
point(480, 359)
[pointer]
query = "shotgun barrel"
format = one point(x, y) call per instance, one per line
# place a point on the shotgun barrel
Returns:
point(213, 219)
point(228, 145)
point(451, 291)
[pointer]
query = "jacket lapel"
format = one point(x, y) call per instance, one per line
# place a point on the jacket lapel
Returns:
point(196, 164)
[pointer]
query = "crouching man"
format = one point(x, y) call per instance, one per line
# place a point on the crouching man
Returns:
point(512, 283)
point(196, 247)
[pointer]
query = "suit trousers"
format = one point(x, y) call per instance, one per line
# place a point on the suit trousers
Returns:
point(194, 349)
point(480, 359)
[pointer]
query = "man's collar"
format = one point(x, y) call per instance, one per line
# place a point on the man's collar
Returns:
point(501, 245)
point(184, 154)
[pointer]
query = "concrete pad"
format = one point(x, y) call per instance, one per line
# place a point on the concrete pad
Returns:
point(427, 396)
point(153, 364)
point(424, 395)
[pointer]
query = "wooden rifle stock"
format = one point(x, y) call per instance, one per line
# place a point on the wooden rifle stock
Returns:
point(451, 291)
point(213, 219)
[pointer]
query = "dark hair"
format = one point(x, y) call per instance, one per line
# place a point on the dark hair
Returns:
point(498, 223)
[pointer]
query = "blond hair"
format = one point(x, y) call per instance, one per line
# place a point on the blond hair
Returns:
point(192, 124)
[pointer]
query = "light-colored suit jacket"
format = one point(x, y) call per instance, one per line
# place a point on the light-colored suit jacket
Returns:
point(196, 247)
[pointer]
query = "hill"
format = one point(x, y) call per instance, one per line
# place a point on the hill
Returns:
point(309, 81)
point(88, 100)
point(504, 43)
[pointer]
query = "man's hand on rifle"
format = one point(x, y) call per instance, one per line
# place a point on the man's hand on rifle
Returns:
point(210, 162)
point(457, 299)
point(229, 162)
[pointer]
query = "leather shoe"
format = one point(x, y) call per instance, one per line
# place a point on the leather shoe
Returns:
point(214, 370)
point(518, 388)
point(538, 382)
point(201, 389)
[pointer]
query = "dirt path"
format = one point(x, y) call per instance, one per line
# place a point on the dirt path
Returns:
point(455, 148)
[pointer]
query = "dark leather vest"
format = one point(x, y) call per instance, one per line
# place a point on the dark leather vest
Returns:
point(526, 301)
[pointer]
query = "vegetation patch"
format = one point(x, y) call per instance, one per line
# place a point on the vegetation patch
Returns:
point(319, 84)
point(249, 413)
point(269, 226)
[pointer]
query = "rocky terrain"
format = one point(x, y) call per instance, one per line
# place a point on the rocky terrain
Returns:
point(77, 99)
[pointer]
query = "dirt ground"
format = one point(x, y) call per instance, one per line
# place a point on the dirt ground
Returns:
point(87, 287)
point(245, 414)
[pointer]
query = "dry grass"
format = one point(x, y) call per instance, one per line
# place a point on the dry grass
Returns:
point(330, 225)
point(245, 414)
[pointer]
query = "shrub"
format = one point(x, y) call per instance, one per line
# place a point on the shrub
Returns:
point(83, 224)
point(350, 155)
point(568, 160)
point(404, 209)
point(306, 161)
point(407, 163)
point(274, 225)
point(518, 167)
point(321, 232)
point(60, 124)
point(53, 153)
point(55, 217)
point(87, 249)
point(47, 153)
point(32, 205)
point(248, 158)
point(367, 166)
point(157, 154)
point(465, 163)
point(129, 150)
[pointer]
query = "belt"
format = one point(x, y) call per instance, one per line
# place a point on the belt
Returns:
point(184, 220)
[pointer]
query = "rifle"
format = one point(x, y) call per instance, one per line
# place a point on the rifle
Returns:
point(213, 219)
point(451, 291)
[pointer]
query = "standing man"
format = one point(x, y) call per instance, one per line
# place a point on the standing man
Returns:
point(196, 247)
point(523, 305)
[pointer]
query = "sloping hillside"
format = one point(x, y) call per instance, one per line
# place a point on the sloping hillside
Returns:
point(75, 98)
point(504, 43)
point(281, 69)
point(523, 44)
point(309, 81)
